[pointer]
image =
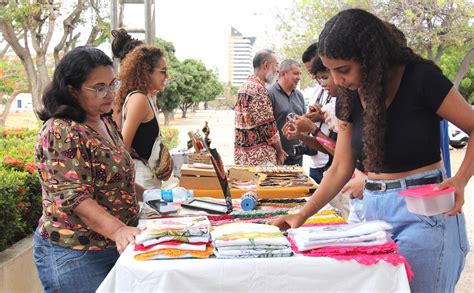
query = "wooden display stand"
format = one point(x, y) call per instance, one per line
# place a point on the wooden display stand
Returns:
point(204, 182)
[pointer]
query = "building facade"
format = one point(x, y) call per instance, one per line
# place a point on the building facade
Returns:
point(240, 57)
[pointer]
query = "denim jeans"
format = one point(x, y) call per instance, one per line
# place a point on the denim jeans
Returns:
point(62, 269)
point(356, 211)
point(434, 246)
point(317, 174)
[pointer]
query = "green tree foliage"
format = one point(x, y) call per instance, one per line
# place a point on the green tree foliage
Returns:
point(28, 26)
point(431, 27)
point(449, 63)
point(12, 76)
point(196, 83)
point(13, 81)
point(169, 99)
point(191, 82)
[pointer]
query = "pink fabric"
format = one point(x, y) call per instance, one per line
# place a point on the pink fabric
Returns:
point(141, 247)
point(366, 255)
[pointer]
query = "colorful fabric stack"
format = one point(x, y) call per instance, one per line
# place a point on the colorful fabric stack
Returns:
point(327, 217)
point(362, 234)
point(367, 243)
point(169, 238)
point(247, 240)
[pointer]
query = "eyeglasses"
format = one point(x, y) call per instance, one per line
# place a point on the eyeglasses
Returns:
point(102, 90)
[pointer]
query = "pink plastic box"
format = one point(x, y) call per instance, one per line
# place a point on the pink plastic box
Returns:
point(425, 200)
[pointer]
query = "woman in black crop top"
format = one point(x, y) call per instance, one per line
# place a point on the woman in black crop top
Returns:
point(143, 73)
point(389, 110)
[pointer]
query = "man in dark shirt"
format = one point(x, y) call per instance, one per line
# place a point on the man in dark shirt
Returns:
point(287, 99)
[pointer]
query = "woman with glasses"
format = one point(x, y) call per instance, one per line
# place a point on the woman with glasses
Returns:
point(90, 204)
point(143, 73)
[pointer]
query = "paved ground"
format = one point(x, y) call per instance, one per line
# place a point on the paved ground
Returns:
point(222, 133)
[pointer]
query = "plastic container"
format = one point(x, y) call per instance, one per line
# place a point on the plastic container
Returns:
point(151, 194)
point(177, 194)
point(425, 200)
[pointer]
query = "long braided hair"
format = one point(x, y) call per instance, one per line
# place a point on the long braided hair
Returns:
point(358, 35)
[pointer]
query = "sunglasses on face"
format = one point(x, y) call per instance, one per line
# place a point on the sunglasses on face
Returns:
point(164, 70)
point(102, 90)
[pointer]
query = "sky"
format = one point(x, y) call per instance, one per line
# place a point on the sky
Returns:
point(200, 29)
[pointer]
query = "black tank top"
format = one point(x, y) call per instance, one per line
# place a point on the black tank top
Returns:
point(145, 137)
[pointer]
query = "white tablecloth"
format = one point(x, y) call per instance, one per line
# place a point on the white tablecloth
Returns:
point(286, 274)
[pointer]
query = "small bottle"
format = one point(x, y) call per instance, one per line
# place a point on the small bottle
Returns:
point(181, 194)
point(167, 195)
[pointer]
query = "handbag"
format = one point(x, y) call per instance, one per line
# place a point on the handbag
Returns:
point(162, 165)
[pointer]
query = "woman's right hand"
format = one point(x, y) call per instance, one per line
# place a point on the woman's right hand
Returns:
point(288, 221)
point(124, 236)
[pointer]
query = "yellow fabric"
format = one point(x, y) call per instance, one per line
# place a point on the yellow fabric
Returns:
point(174, 253)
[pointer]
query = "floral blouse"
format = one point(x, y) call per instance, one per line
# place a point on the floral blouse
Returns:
point(254, 124)
point(75, 163)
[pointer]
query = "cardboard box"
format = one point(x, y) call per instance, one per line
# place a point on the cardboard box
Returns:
point(189, 170)
point(199, 182)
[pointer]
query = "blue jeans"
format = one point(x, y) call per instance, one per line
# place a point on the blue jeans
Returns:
point(356, 211)
point(63, 269)
point(434, 246)
point(317, 174)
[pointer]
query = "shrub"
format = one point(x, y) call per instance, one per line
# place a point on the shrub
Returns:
point(170, 137)
point(20, 190)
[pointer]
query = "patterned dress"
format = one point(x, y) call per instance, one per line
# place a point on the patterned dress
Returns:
point(254, 124)
point(75, 163)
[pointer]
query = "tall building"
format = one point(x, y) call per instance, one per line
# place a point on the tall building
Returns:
point(240, 57)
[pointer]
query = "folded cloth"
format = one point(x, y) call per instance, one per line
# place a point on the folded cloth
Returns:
point(181, 227)
point(241, 227)
point(388, 247)
point(252, 252)
point(339, 231)
point(171, 244)
point(376, 238)
point(252, 247)
point(275, 241)
point(243, 240)
point(172, 253)
point(263, 255)
point(184, 239)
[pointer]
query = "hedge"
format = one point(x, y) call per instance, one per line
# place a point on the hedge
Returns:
point(20, 190)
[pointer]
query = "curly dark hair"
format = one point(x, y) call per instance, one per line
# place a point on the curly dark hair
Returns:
point(358, 35)
point(135, 71)
point(123, 43)
point(73, 70)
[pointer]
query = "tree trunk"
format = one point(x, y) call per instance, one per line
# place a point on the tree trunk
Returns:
point(465, 65)
point(429, 51)
point(206, 105)
point(195, 107)
point(6, 110)
point(167, 115)
point(439, 53)
point(184, 111)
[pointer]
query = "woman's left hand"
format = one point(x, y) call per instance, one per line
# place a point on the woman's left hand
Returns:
point(458, 195)
point(124, 236)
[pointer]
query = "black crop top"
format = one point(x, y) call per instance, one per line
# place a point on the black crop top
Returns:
point(412, 138)
point(145, 137)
